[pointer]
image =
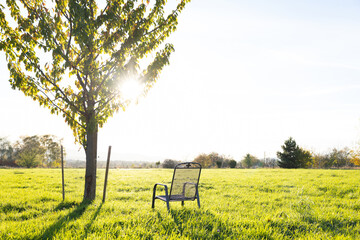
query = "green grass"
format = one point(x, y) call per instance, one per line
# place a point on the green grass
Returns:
point(236, 204)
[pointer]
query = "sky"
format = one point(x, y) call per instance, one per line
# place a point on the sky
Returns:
point(244, 77)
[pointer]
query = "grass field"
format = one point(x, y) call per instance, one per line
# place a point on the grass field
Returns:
point(236, 204)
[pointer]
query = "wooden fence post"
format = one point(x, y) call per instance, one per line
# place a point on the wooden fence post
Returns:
point(62, 172)
point(106, 173)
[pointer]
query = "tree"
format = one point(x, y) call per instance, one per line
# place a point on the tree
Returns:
point(304, 158)
point(93, 51)
point(219, 163)
point(204, 160)
point(232, 163)
point(355, 157)
point(216, 159)
point(336, 158)
point(29, 152)
point(340, 158)
point(288, 158)
point(318, 160)
point(6, 153)
point(249, 161)
point(52, 154)
point(293, 156)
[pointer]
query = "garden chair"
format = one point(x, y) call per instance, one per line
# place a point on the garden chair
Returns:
point(184, 185)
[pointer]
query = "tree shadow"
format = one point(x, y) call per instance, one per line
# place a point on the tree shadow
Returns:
point(65, 205)
point(52, 230)
point(332, 227)
point(88, 226)
point(335, 226)
point(188, 222)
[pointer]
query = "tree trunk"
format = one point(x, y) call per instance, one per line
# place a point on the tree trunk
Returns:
point(91, 159)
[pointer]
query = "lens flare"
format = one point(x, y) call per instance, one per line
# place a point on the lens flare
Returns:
point(131, 89)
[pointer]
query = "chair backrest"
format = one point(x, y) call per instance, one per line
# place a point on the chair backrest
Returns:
point(185, 179)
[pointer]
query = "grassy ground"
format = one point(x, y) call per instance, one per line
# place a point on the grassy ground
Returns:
point(236, 204)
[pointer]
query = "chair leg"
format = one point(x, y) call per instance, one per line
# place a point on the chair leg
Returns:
point(168, 203)
point(166, 194)
point(153, 198)
point(153, 203)
point(197, 196)
point(182, 203)
point(167, 199)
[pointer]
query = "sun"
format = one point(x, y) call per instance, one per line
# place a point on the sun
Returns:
point(131, 89)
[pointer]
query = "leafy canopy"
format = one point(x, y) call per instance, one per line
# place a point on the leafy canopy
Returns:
point(71, 55)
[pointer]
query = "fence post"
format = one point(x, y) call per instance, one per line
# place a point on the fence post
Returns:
point(62, 172)
point(106, 173)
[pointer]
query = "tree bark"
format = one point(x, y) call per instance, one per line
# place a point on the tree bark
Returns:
point(91, 159)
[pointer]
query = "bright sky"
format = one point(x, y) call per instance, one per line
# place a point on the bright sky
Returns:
point(246, 75)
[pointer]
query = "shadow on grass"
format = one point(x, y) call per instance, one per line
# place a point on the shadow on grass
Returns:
point(65, 205)
point(52, 230)
point(11, 207)
point(88, 226)
point(201, 224)
point(336, 226)
point(204, 224)
point(330, 227)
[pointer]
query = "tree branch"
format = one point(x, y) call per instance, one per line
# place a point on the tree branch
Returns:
point(42, 90)
point(52, 83)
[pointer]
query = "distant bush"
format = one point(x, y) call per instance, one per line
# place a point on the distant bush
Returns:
point(232, 163)
point(169, 163)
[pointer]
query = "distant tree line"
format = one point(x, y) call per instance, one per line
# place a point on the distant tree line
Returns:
point(44, 151)
point(212, 160)
point(33, 151)
point(293, 156)
point(112, 165)
point(215, 160)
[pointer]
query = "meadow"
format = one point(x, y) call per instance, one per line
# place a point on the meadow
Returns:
point(236, 204)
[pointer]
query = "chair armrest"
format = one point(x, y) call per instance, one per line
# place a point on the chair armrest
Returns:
point(161, 185)
point(166, 195)
point(165, 186)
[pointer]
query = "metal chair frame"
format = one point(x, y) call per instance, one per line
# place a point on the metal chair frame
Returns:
point(172, 198)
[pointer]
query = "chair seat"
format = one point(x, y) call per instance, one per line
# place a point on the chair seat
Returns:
point(176, 198)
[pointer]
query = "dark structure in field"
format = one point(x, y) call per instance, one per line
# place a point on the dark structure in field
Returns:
point(184, 185)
